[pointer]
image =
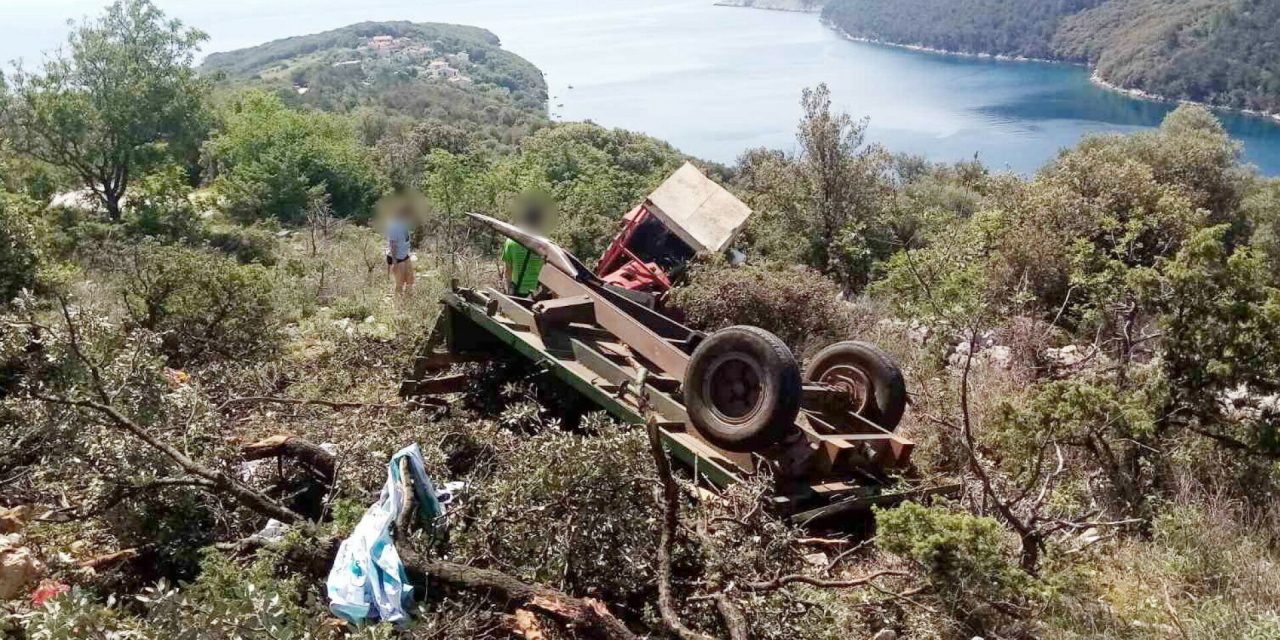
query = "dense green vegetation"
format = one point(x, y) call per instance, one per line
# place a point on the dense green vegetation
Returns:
point(1011, 28)
point(499, 95)
point(1222, 52)
point(1090, 352)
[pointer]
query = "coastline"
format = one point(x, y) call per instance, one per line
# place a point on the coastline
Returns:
point(789, 6)
point(1139, 94)
point(936, 51)
point(1094, 77)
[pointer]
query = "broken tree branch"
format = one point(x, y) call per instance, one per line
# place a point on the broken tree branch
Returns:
point(782, 581)
point(586, 616)
point(288, 446)
point(220, 481)
point(323, 403)
point(670, 520)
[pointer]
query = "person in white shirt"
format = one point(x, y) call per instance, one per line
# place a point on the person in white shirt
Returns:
point(399, 258)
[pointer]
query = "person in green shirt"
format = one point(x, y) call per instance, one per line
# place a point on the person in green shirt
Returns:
point(520, 266)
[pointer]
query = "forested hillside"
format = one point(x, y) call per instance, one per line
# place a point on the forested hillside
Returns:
point(1215, 51)
point(200, 364)
point(410, 72)
point(1222, 52)
point(1001, 27)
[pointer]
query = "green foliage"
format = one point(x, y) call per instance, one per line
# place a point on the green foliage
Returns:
point(965, 557)
point(161, 208)
point(1017, 28)
point(796, 303)
point(1213, 51)
point(393, 90)
point(19, 254)
point(123, 98)
point(825, 206)
point(571, 509)
point(1221, 318)
point(202, 304)
point(267, 158)
point(1099, 429)
point(594, 175)
point(248, 245)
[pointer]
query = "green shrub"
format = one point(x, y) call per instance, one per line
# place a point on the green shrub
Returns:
point(268, 157)
point(572, 510)
point(160, 207)
point(203, 304)
point(18, 254)
point(965, 557)
point(247, 245)
point(800, 305)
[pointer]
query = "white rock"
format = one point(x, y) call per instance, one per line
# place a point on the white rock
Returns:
point(885, 634)
point(19, 567)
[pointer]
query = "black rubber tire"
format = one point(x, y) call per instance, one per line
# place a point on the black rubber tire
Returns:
point(775, 402)
point(889, 388)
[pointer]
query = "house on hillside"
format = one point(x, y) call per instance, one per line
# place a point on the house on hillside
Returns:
point(441, 69)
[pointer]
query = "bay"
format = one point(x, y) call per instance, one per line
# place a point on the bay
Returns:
point(714, 80)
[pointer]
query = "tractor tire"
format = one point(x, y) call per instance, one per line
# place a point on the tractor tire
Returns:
point(875, 379)
point(742, 389)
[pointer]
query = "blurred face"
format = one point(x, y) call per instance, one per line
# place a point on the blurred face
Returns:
point(532, 220)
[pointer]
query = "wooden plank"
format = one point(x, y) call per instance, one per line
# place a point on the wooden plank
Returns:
point(643, 341)
point(562, 311)
point(512, 309)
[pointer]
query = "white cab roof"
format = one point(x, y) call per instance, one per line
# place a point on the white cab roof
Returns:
point(702, 213)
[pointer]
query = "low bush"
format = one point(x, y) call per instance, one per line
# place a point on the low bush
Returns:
point(570, 510)
point(204, 305)
point(798, 304)
point(965, 558)
point(248, 245)
point(18, 255)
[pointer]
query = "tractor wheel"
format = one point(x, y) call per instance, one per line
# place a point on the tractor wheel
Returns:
point(742, 389)
point(873, 380)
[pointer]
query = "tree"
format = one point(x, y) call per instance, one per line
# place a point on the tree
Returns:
point(124, 98)
point(845, 188)
point(269, 158)
point(18, 255)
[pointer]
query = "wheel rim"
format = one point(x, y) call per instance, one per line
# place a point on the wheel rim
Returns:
point(734, 388)
point(853, 382)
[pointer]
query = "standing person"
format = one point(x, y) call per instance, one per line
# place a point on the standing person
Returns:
point(399, 259)
point(520, 266)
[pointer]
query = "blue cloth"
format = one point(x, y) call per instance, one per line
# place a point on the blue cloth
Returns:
point(367, 580)
point(398, 239)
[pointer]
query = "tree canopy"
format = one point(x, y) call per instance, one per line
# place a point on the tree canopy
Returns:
point(122, 99)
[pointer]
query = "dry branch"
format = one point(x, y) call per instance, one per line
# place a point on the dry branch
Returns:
point(219, 481)
point(586, 616)
point(294, 448)
point(670, 520)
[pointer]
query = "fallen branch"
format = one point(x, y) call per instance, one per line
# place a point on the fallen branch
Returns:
point(219, 481)
point(586, 616)
point(782, 581)
point(294, 448)
point(101, 562)
point(670, 520)
point(734, 620)
point(325, 403)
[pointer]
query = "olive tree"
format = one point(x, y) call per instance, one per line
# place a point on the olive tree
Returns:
point(121, 98)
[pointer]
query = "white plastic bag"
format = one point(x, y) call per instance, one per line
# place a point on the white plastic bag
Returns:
point(367, 580)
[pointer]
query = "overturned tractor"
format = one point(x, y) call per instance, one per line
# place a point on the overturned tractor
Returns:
point(730, 404)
